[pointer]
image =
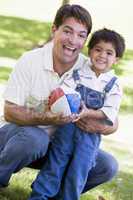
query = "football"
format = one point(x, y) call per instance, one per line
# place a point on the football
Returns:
point(64, 100)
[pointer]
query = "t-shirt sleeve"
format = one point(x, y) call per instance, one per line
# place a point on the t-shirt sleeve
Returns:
point(112, 102)
point(18, 85)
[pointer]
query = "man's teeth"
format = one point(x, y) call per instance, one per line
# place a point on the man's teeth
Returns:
point(70, 48)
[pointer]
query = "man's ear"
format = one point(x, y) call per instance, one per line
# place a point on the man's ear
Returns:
point(54, 28)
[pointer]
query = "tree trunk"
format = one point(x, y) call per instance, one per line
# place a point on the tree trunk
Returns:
point(65, 2)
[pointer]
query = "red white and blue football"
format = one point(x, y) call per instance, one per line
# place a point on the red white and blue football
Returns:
point(64, 100)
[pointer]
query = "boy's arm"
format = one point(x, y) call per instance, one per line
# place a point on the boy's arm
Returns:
point(90, 121)
point(93, 126)
point(91, 113)
point(94, 114)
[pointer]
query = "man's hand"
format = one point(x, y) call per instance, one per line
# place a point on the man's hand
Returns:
point(51, 118)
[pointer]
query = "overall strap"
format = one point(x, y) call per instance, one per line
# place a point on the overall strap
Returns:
point(109, 85)
point(76, 76)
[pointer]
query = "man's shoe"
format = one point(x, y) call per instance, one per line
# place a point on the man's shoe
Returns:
point(3, 186)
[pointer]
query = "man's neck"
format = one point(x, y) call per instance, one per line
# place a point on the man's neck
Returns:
point(61, 68)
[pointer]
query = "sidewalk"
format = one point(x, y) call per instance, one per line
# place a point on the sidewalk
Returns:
point(7, 62)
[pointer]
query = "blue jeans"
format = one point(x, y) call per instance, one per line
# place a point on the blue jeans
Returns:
point(20, 146)
point(72, 155)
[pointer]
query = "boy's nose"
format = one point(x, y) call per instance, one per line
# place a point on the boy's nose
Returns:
point(103, 54)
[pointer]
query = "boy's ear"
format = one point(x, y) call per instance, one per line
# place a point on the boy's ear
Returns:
point(116, 60)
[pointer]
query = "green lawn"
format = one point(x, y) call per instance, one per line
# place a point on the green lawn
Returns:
point(18, 35)
point(120, 188)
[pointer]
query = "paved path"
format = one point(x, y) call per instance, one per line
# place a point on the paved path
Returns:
point(7, 62)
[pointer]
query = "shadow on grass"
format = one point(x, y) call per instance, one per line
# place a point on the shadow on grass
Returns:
point(20, 185)
point(14, 193)
point(18, 35)
point(121, 188)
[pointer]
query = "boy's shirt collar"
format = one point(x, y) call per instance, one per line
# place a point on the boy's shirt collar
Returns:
point(86, 71)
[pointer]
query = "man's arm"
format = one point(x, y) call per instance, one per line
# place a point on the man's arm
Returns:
point(23, 116)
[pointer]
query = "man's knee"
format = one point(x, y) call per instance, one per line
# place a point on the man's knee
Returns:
point(105, 169)
point(111, 167)
point(29, 142)
point(35, 140)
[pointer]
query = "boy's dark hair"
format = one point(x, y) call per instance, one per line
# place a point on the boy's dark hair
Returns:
point(111, 36)
point(76, 11)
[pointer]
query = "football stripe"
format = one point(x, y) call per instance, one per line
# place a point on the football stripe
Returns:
point(55, 95)
point(61, 106)
point(74, 102)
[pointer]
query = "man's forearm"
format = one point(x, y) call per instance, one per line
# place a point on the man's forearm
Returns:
point(22, 116)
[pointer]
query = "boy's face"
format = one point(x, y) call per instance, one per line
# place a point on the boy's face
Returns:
point(103, 56)
point(69, 39)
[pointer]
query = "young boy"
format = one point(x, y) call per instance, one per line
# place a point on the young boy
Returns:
point(73, 152)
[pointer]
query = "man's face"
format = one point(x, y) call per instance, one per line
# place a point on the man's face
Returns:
point(69, 39)
point(103, 56)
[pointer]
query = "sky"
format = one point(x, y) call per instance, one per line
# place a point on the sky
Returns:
point(113, 14)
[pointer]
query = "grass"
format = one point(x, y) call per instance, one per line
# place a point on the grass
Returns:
point(18, 35)
point(120, 188)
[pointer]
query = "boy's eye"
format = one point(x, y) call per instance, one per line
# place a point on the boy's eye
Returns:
point(97, 49)
point(109, 53)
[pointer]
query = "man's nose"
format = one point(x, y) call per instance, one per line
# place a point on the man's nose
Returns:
point(73, 39)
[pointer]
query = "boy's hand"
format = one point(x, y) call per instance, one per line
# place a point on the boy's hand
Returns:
point(84, 111)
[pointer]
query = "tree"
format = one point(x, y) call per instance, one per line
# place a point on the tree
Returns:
point(65, 2)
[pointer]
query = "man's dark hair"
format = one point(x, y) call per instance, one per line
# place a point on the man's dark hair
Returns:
point(111, 36)
point(75, 11)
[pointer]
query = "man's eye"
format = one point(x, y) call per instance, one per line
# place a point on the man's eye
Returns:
point(83, 36)
point(67, 32)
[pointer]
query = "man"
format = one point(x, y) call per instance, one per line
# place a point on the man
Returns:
point(26, 136)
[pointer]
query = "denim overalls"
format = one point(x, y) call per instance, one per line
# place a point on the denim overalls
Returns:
point(72, 154)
